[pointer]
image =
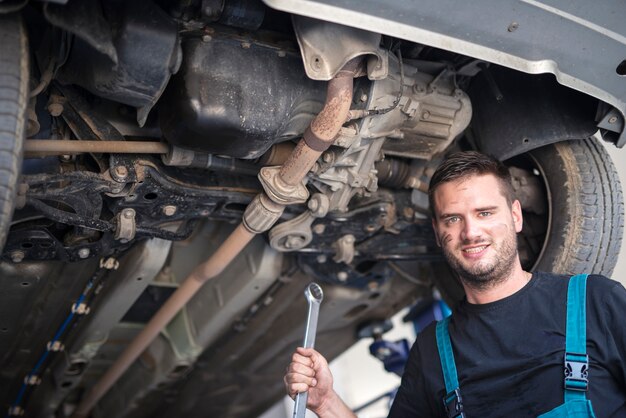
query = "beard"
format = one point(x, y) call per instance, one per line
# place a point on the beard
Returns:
point(485, 274)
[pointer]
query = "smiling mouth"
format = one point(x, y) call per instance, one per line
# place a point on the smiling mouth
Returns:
point(474, 250)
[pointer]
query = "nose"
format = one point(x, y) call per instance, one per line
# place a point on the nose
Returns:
point(471, 230)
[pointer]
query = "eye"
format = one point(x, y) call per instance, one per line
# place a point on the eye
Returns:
point(485, 213)
point(452, 219)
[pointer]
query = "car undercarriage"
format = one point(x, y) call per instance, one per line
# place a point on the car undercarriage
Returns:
point(174, 173)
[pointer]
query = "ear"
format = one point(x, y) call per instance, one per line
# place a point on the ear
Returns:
point(434, 224)
point(516, 212)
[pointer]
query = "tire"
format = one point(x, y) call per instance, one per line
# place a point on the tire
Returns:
point(13, 99)
point(584, 218)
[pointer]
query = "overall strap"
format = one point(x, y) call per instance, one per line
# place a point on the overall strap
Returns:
point(453, 404)
point(576, 360)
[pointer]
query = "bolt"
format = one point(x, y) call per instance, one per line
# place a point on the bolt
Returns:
point(55, 109)
point(418, 88)
point(321, 259)
point(294, 242)
point(206, 38)
point(128, 213)
point(327, 157)
point(246, 45)
point(121, 171)
point(282, 53)
point(513, 27)
point(319, 229)
point(426, 114)
point(373, 286)
point(371, 227)
point(313, 205)
point(17, 256)
point(204, 212)
point(169, 210)
point(364, 97)
point(342, 276)
point(613, 119)
point(83, 253)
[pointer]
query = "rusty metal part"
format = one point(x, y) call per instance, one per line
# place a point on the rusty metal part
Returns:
point(238, 239)
point(279, 191)
point(277, 154)
point(261, 214)
point(325, 126)
point(63, 147)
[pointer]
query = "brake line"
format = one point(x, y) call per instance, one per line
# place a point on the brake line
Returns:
point(78, 308)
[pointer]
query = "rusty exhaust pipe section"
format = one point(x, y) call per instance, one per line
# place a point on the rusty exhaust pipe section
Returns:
point(324, 128)
point(60, 147)
point(283, 185)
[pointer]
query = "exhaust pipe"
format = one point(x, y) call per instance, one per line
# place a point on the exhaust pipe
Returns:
point(283, 185)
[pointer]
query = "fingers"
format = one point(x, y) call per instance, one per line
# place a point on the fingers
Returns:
point(309, 357)
point(296, 383)
point(300, 376)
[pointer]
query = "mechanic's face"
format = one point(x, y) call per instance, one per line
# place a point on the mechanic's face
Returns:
point(476, 229)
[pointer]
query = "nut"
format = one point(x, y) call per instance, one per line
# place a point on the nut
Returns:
point(319, 229)
point(55, 109)
point(169, 210)
point(128, 213)
point(17, 256)
point(342, 276)
point(84, 253)
point(121, 171)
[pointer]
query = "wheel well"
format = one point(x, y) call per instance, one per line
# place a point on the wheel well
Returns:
point(516, 112)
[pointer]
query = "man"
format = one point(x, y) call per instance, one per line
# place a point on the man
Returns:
point(508, 336)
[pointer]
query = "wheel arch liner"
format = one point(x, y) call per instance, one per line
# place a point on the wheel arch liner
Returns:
point(527, 112)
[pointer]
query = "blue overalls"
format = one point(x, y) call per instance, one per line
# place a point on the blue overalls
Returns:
point(576, 360)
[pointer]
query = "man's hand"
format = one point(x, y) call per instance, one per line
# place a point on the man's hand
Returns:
point(309, 372)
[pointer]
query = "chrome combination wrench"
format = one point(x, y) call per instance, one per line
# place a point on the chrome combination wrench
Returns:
point(314, 296)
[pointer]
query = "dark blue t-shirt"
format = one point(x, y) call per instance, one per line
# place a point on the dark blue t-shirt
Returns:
point(509, 354)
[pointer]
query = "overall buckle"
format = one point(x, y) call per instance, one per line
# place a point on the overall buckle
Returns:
point(576, 368)
point(453, 404)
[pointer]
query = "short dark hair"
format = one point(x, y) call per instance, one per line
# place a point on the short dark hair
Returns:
point(470, 163)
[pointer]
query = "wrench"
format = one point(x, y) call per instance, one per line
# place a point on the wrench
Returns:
point(314, 296)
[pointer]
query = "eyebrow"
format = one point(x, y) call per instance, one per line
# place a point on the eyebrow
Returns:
point(483, 209)
point(487, 208)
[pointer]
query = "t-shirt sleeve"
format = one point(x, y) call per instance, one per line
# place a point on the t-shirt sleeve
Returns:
point(412, 399)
